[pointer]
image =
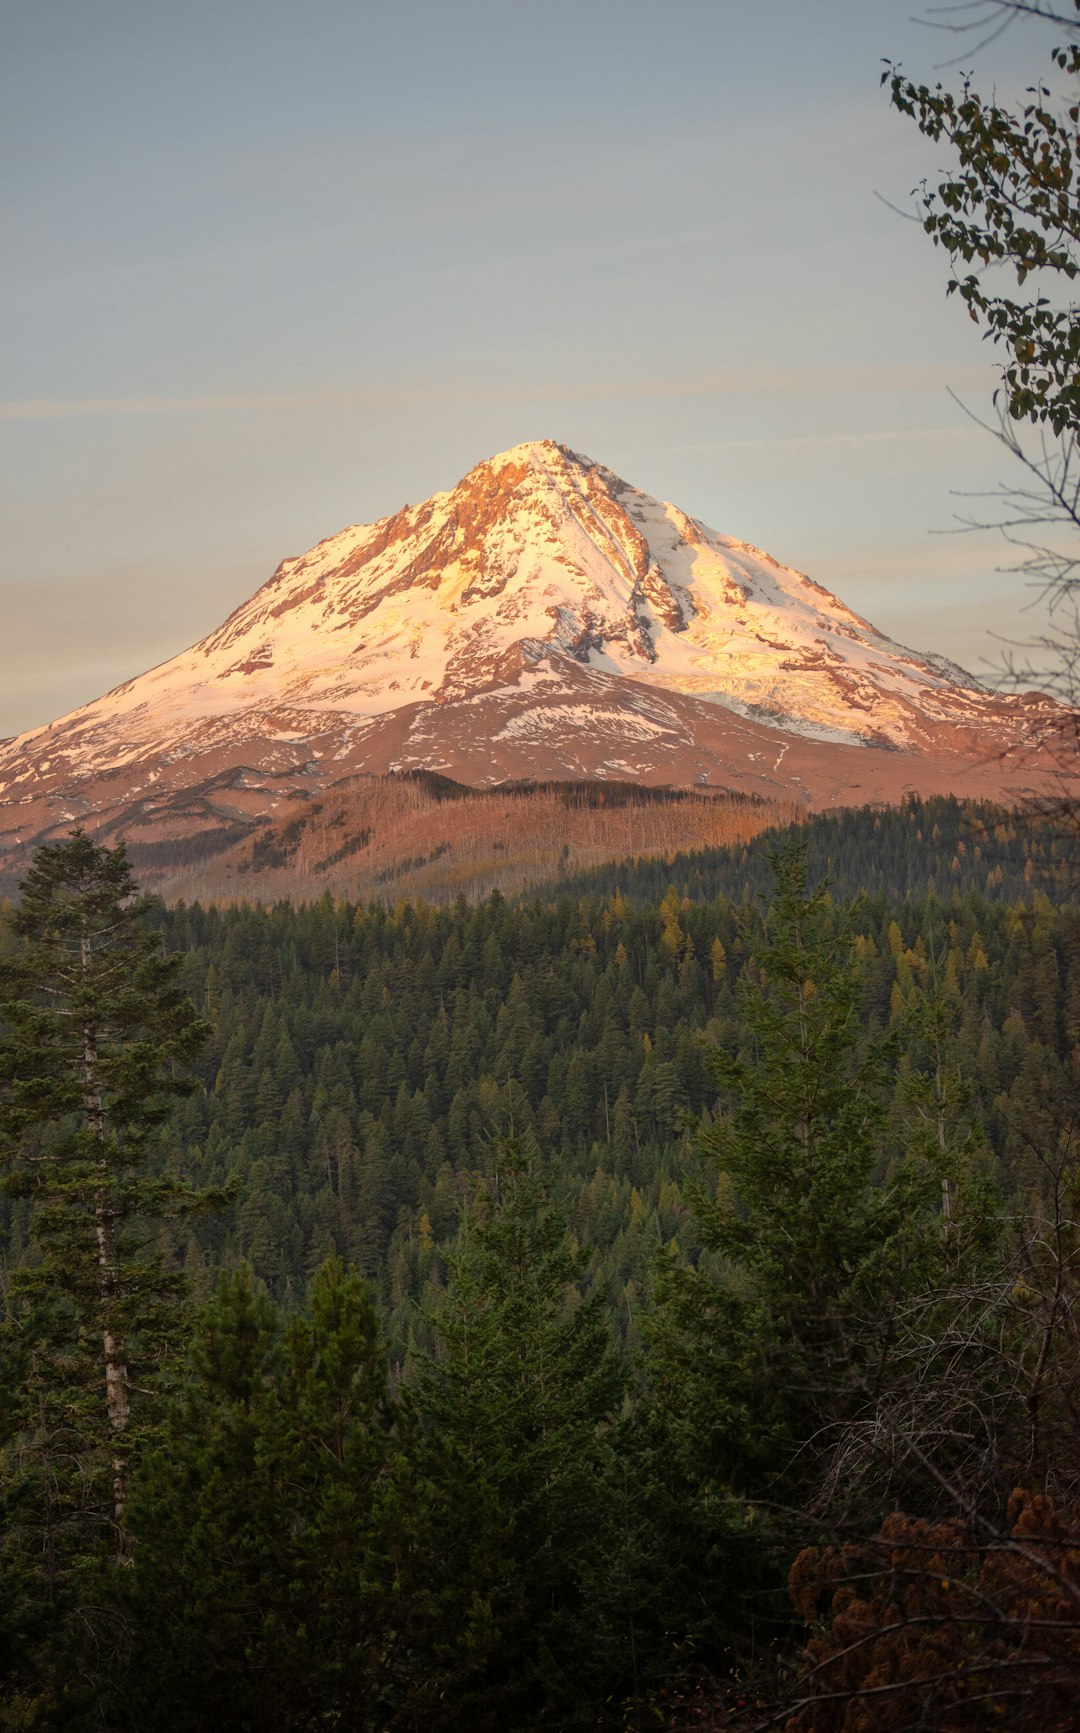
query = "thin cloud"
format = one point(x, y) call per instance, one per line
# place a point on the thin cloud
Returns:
point(884, 436)
point(82, 408)
point(817, 382)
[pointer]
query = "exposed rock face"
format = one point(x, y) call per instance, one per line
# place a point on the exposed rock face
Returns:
point(542, 619)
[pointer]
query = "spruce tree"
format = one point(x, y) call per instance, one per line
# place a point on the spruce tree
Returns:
point(793, 1220)
point(518, 1402)
point(769, 1341)
point(279, 1576)
point(95, 1035)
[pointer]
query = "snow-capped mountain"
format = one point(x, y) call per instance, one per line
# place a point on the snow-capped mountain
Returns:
point(544, 618)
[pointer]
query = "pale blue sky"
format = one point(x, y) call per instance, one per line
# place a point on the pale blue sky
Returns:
point(273, 268)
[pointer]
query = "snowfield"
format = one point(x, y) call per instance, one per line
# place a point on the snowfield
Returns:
point(538, 566)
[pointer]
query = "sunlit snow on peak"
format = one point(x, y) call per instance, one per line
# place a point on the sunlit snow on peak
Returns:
point(538, 553)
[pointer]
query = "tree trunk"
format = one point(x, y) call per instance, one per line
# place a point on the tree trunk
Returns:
point(117, 1402)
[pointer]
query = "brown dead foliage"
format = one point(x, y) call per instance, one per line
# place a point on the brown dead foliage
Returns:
point(401, 838)
point(931, 1625)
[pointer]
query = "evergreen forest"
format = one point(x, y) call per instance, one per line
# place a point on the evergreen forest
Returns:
point(652, 1302)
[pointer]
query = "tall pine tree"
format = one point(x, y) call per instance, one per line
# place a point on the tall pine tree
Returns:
point(95, 1035)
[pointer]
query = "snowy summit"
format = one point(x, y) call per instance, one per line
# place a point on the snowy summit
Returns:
point(543, 618)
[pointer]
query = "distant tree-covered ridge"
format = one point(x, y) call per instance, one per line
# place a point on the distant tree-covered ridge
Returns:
point(937, 847)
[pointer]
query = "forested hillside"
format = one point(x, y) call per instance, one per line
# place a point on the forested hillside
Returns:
point(364, 1061)
point(924, 848)
point(523, 1290)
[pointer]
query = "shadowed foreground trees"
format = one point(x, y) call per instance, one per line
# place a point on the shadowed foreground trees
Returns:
point(519, 1404)
point(311, 1548)
point(558, 1493)
point(280, 1577)
point(772, 1344)
point(95, 1033)
point(95, 1026)
point(967, 1612)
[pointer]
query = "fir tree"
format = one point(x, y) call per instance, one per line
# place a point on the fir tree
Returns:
point(279, 1577)
point(766, 1345)
point(94, 1032)
point(794, 1220)
point(518, 1401)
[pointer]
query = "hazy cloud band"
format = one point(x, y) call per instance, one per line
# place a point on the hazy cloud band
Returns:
point(882, 381)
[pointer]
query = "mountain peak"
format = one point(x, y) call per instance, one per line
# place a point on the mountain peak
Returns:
point(572, 625)
point(536, 464)
point(542, 463)
point(531, 451)
point(538, 454)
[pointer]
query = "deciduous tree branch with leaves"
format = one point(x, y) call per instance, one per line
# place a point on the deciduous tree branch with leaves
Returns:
point(1007, 214)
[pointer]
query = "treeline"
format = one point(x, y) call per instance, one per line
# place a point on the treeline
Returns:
point(600, 1314)
point(942, 847)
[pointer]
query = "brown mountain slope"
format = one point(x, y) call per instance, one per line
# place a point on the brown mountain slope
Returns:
point(422, 838)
